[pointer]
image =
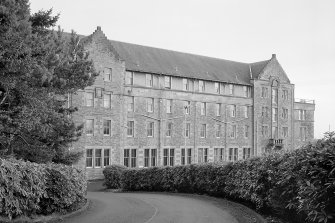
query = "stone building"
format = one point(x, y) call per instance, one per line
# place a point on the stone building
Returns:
point(155, 107)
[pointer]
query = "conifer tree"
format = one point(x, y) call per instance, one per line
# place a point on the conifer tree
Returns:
point(39, 67)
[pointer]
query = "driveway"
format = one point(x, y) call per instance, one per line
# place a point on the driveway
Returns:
point(152, 208)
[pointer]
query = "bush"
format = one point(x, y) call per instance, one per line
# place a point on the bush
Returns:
point(65, 188)
point(298, 186)
point(113, 176)
point(22, 186)
point(28, 188)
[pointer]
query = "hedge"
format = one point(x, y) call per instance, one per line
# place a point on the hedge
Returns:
point(298, 186)
point(28, 189)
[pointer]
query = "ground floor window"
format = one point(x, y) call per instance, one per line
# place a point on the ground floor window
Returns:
point(130, 158)
point(98, 158)
point(168, 157)
point(150, 157)
point(218, 154)
point(202, 155)
point(247, 153)
point(186, 156)
point(233, 154)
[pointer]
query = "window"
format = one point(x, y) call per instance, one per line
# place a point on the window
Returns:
point(129, 158)
point(107, 100)
point(202, 155)
point(130, 128)
point(150, 104)
point(186, 84)
point(218, 131)
point(231, 89)
point(285, 94)
point(107, 127)
point(89, 157)
point(187, 130)
point(98, 158)
point(153, 157)
point(89, 126)
point(186, 156)
point(129, 78)
point(302, 134)
point(245, 111)
point(232, 132)
point(150, 129)
point(233, 154)
point(274, 114)
point(218, 154)
point(108, 74)
point(98, 92)
point(265, 92)
point(246, 131)
point(149, 80)
point(203, 108)
point(130, 103)
point(302, 115)
point(167, 80)
point(150, 157)
point(246, 91)
point(203, 131)
point(232, 110)
point(168, 106)
point(218, 109)
point(217, 87)
point(265, 112)
point(189, 156)
point(284, 113)
point(247, 153)
point(284, 132)
point(107, 157)
point(168, 157)
point(187, 107)
point(89, 99)
point(183, 157)
point(265, 131)
point(202, 87)
point(274, 96)
point(169, 129)
point(274, 131)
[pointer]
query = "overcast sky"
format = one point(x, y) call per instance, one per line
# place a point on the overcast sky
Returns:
point(300, 32)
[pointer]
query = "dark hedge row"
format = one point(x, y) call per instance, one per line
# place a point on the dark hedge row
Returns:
point(298, 186)
point(28, 189)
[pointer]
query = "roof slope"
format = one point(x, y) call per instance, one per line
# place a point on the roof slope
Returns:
point(160, 61)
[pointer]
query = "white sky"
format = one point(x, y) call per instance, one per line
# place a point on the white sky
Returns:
point(300, 32)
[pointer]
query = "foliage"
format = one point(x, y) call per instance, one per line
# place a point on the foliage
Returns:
point(29, 188)
point(65, 188)
point(298, 186)
point(38, 68)
point(113, 176)
point(22, 186)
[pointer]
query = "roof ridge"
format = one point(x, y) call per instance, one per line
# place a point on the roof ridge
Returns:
point(186, 53)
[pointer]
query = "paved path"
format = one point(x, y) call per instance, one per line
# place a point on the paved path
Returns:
point(150, 208)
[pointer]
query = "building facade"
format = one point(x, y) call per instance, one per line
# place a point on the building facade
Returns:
point(155, 107)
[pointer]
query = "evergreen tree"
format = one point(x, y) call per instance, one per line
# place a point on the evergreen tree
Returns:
point(39, 67)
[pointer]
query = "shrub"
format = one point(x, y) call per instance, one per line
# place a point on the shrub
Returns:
point(113, 175)
point(65, 188)
point(28, 188)
point(22, 185)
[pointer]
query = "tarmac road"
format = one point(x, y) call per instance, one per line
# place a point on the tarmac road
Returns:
point(151, 208)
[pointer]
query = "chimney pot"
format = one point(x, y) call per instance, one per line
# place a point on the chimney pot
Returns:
point(273, 55)
point(99, 28)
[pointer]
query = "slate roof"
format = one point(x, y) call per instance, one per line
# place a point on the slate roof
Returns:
point(161, 61)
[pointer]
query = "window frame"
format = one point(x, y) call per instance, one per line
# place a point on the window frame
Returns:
point(108, 74)
point(87, 100)
point(150, 105)
point(130, 128)
point(203, 130)
point(150, 128)
point(92, 127)
point(169, 127)
point(149, 80)
point(203, 108)
point(169, 78)
point(169, 103)
point(129, 78)
point(107, 127)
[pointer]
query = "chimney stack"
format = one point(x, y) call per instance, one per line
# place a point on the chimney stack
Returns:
point(273, 55)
